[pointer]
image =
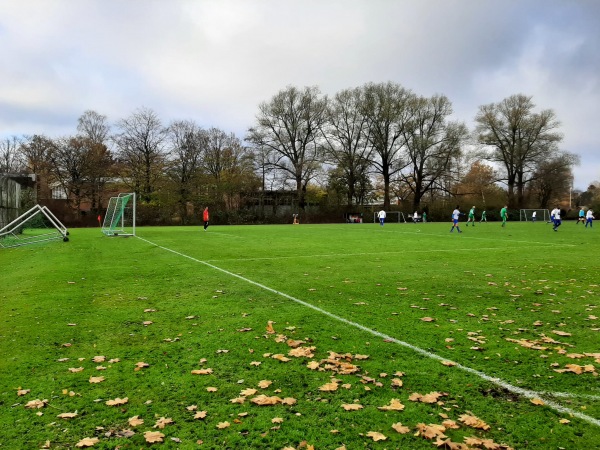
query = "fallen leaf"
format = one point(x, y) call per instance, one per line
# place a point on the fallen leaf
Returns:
point(352, 406)
point(394, 405)
point(135, 421)
point(153, 436)
point(537, 401)
point(202, 372)
point(200, 415)
point(117, 401)
point(67, 415)
point(162, 422)
point(376, 436)
point(87, 442)
point(36, 404)
point(223, 425)
point(96, 379)
point(400, 428)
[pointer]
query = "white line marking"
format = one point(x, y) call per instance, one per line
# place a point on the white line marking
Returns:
point(527, 393)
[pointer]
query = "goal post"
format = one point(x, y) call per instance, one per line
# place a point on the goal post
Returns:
point(391, 217)
point(527, 215)
point(119, 219)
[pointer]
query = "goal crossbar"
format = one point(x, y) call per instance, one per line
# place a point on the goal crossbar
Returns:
point(22, 230)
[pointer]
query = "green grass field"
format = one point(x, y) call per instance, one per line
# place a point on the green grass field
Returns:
point(312, 336)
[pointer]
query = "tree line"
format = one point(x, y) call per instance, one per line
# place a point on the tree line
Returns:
point(379, 143)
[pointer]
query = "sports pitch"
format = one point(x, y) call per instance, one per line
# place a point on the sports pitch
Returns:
point(331, 336)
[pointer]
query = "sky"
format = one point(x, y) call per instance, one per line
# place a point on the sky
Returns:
point(215, 61)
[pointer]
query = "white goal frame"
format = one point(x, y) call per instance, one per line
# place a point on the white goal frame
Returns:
point(12, 234)
point(391, 217)
point(543, 215)
point(119, 219)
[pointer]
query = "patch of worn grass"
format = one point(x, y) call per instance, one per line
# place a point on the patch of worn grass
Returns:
point(490, 299)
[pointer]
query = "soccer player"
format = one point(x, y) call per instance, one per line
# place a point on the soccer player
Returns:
point(471, 217)
point(381, 217)
point(504, 215)
point(589, 218)
point(424, 216)
point(533, 216)
point(205, 217)
point(455, 214)
point(556, 218)
point(483, 218)
point(581, 217)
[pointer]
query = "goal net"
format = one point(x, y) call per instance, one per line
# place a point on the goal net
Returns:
point(119, 219)
point(527, 215)
point(391, 217)
point(34, 226)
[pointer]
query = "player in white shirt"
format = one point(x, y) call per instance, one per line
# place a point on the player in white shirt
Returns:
point(455, 215)
point(381, 217)
point(589, 218)
point(555, 214)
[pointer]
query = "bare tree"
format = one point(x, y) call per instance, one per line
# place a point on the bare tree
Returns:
point(553, 179)
point(347, 142)
point(187, 143)
point(36, 154)
point(140, 142)
point(518, 139)
point(290, 126)
point(230, 166)
point(432, 144)
point(385, 107)
point(11, 160)
point(93, 126)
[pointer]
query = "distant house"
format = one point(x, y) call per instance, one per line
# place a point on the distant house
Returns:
point(11, 186)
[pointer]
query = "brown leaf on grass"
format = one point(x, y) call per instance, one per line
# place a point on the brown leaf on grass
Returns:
point(361, 357)
point(537, 401)
point(564, 421)
point(290, 401)
point(140, 365)
point(223, 425)
point(430, 431)
point(270, 329)
point(352, 406)
point(264, 400)
point(211, 389)
point(474, 422)
point(561, 333)
point(394, 405)
point(376, 436)
point(135, 421)
point(280, 357)
point(147, 322)
point(200, 415)
point(202, 372)
point(36, 404)
point(329, 387)
point(46, 444)
point(239, 400)
point(449, 363)
point(96, 380)
point(300, 352)
point(397, 382)
point(264, 384)
point(99, 359)
point(117, 401)
point(87, 442)
point(294, 343)
point(450, 424)
point(313, 365)
point(114, 360)
point(21, 392)
point(75, 369)
point(248, 392)
point(400, 428)
point(67, 415)
point(427, 319)
point(276, 420)
point(153, 436)
point(255, 363)
point(162, 422)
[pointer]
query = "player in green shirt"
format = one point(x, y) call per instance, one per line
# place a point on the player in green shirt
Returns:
point(483, 218)
point(471, 217)
point(504, 214)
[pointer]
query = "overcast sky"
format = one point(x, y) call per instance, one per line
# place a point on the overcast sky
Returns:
point(215, 61)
